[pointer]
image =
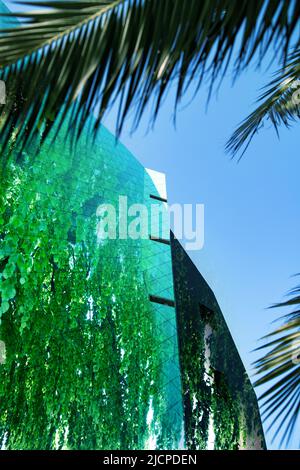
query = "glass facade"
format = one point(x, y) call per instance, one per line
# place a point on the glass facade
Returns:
point(92, 362)
point(107, 342)
point(112, 340)
point(220, 405)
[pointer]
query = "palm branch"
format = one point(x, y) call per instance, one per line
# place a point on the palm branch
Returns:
point(280, 104)
point(280, 365)
point(97, 52)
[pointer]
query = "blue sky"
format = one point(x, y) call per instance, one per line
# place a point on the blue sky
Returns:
point(252, 210)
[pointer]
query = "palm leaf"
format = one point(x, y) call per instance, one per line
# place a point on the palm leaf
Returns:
point(280, 366)
point(97, 52)
point(280, 104)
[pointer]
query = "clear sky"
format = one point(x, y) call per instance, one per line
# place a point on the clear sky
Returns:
point(252, 210)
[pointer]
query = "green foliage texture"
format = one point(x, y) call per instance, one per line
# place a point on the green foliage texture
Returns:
point(83, 355)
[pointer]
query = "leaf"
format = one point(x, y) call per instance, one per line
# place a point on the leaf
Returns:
point(280, 105)
point(280, 366)
point(7, 290)
point(9, 270)
point(84, 56)
point(4, 307)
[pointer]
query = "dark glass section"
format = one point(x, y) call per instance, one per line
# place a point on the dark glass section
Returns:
point(220, 405)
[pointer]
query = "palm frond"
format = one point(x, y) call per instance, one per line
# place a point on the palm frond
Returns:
point(280, 367)
point(280, 105)
point(97, 52)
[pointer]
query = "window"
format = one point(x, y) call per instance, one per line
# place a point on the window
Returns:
point(158, 198)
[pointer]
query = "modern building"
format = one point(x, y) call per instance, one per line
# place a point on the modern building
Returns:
point(220, 405)
point(118, 342)
point(113, 340)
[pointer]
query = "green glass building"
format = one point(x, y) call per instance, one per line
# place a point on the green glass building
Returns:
point(98, 361)
point(220, 405)
point(107, 343)
point(101, 351)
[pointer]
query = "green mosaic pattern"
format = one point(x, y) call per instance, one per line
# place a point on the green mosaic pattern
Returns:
point(91, 362)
